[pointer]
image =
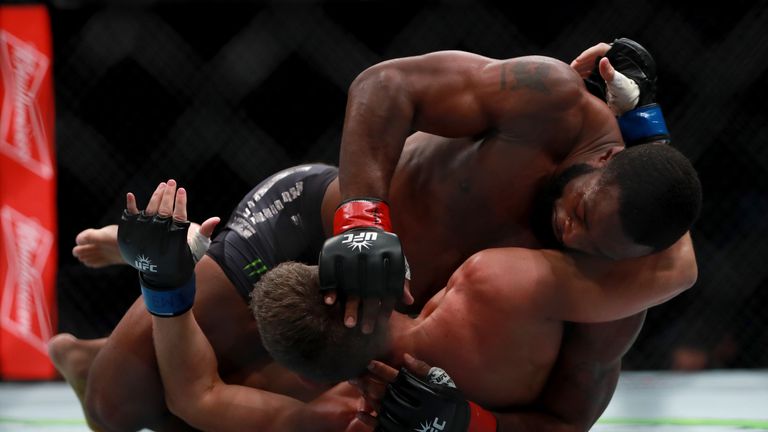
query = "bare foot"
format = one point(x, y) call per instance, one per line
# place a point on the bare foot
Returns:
point(97, 248)
point(73, 358)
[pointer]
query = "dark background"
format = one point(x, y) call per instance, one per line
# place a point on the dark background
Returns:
point(219, 95)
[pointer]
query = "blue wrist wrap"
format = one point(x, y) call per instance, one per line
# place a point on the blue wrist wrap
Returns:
point(643, 124)
point(169, 303)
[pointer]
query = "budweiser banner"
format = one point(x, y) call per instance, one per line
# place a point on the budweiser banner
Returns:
point(27, 194)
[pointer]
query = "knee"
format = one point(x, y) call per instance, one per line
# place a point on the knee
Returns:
point(99, 417)
point(108, 411)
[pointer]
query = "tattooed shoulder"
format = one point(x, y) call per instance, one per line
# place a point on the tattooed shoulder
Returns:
point(522, 74)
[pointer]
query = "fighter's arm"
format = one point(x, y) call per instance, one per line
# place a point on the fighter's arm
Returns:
point(188, 367)
point(581, 288)
point(447, 93)
point(195, 392)
point(582, 381)
point(578, 389)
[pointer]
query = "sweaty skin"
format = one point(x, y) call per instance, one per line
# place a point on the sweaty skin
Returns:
point(481, 310)
point(509, 329)
point(493, 132)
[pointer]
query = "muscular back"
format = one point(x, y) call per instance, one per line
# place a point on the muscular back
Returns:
point(498, 349)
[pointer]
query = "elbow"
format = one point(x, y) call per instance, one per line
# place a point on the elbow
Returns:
point(378, 79)
point(177, 404)
point(690, 275)
point(684, 268)
point(188, 406)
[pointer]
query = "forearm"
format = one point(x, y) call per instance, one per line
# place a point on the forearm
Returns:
point(186, 359)
point(444, 93)
point(599, 290)
point(194, 390)
point(582, 381)
point(378, 119)
point(575, 397)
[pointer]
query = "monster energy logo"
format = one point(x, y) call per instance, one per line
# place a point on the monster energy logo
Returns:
point(257, 267)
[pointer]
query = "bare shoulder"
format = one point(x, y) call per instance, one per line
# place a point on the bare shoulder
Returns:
point(544, 75)
point(506, 274)
point(533, 96)
point(460, 63)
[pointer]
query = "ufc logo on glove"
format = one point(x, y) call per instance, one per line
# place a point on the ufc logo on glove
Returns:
point(436, 426)
point(359, 240)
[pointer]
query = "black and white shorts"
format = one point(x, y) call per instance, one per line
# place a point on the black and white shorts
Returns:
point(279, 220)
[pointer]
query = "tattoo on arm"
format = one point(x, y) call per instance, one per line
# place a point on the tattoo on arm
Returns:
point(525, 75)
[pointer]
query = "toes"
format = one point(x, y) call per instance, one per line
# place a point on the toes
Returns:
point(85, 237)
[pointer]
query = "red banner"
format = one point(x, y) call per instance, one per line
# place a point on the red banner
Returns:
point(27, 194)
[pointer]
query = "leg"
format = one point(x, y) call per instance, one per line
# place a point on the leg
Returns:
point(73, 358)
point(124, 391)
point(97, 248)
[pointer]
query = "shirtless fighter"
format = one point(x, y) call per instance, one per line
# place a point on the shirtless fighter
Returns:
point(564, 125)
point(498, 336)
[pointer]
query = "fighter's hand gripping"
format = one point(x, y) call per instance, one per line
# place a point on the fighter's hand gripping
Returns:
point(419, 397)
point(364, 260)
point(604, 81)
point(154, 241)
point(626, 79)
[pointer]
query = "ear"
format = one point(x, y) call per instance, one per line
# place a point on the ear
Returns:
point(608, 155)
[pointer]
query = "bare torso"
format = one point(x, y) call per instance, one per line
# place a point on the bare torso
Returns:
point(452, 197)
point(498, 355)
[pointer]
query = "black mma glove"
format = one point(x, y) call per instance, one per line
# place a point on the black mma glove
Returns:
point(363, 258)
point(643, 122)
point(412, 404)
point(157, 247)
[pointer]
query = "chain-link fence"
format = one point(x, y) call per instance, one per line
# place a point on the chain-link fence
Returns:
point(220, 95)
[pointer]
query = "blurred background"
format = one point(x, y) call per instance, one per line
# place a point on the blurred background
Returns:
point(219, 95)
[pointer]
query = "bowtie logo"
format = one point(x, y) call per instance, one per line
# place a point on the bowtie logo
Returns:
point(22, 131)
point(23, 308)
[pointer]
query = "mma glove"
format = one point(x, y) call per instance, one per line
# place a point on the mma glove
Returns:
point(157, 247)
point(413, 404)
point(632, 93)
point(363, 258)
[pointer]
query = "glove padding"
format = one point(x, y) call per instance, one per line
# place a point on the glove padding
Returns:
point(364, 262)
point(157, 247)
point(634, 62)
point(412, 404)
point(363, 259)
point(641, 121)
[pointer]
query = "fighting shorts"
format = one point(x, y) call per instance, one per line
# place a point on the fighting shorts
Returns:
point(279, 220)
